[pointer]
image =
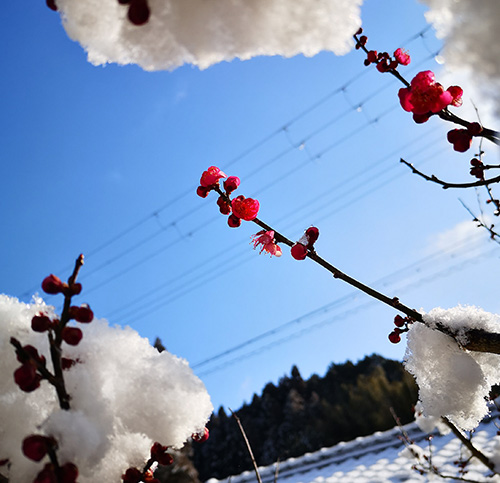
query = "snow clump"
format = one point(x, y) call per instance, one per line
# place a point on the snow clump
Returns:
point(125, 395)
point(202, 33)
point(452, 382)
point(469, 30)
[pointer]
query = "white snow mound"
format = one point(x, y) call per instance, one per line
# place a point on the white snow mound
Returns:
point(125, 396)
point(202, 32)
point(452, 382)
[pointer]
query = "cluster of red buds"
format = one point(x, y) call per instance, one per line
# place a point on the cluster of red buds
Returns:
point(423, 96)
point(36, 447)
point(401, 324)
point(305, 244)
point(477, 169)
point(138, 11)
point(200, 437)
point(33, 365)
point(158, 456)
point(28, 375)
point(383, 60)
point(462, 138)
point(240, 208)
point(34, 369)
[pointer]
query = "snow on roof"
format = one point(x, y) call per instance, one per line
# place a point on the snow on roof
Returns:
point(380, 458)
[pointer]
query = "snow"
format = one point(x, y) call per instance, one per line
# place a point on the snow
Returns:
point(452, 382)
point(381, 458)
point(125, 396)
point(203, 33)
point(469, 29)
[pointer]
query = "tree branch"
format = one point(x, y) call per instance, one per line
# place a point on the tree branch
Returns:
point(445, 184)
point(256, 468)
point(468, 444)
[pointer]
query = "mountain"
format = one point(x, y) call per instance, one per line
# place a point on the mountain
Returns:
point(298, 416)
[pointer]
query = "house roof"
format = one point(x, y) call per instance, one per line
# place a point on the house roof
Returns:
point(382, 457)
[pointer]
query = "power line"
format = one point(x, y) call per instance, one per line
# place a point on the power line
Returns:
point(243, 154)
point(443, 273)
point(226, 252)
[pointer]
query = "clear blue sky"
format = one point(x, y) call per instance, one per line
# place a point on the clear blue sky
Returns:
point(105, 161)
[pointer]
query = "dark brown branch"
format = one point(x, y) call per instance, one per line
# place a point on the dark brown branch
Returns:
point(445, 184)
point(249, 448)
point(468, 444)
point(477, 340)
point(489, 134)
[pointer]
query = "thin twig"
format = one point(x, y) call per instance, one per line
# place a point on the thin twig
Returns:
point(277, 470)
point(493, 234)
point(468, 444)
point(445, 184)
point(249, 448)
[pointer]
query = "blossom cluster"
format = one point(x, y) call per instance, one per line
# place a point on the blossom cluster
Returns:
point(240, 208)
point(384, 62)
point(425, 96)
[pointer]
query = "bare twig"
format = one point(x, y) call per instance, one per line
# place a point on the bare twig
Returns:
point(445, 184)
point(277, 470)
point(468, 444)
point(493, 234)
point(250, 452)
point(477, 339)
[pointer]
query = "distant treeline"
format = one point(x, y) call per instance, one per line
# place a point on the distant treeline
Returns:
point(299, 416)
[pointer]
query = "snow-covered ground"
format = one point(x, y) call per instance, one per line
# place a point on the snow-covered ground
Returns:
point(382, 457)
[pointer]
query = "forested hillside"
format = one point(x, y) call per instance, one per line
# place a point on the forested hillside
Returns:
point(297, 416)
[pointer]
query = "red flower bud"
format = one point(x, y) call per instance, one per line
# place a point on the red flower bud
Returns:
point(474, 128)
point(138, 12)
point(52, 285)
point(402, 57)
point(51, 4)
point(461, 139)
point(72, 335)
point(67, 363)
point(421, 118)
point(35, 447)
point(81, 314)
point(27, 378)
point(299, 251)
point(202, 191)
point(224, 206)
point(233, 221)
point(132, 475)
point(312, 234)
point(211, 177)
point(75, 289)
point(47, 475)
point(394, 337)
point(231, 183)
point(32, 354)
point(68, 473)
point(41, 323)
point(200, 437)
point(245, 208)
point(399, 321)
point(159, 453)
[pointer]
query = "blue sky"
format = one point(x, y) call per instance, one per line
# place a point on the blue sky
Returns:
point(105, 161)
